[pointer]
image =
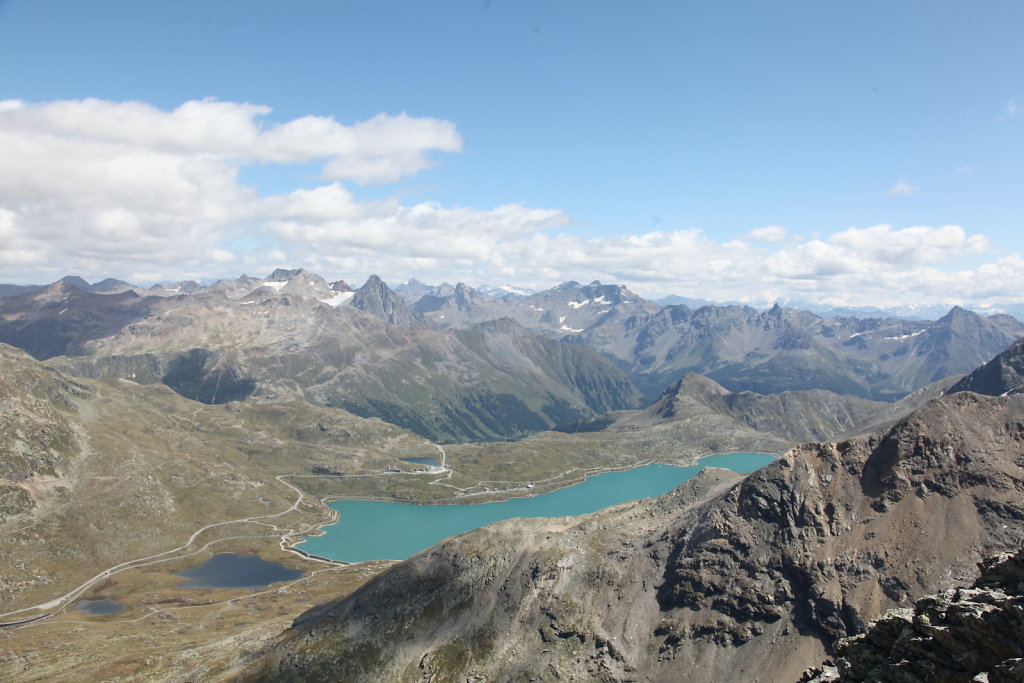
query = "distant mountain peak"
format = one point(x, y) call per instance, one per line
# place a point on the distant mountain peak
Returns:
point(284, 275)
point(341, 286)
point(74, 281)
point(958, 313)
point(377, 299)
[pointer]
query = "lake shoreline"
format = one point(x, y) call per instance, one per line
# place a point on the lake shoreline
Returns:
point(327, 500)
point(460, 503)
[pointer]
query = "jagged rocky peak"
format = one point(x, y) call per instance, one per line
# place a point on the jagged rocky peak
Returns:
point(412, 290)
point(956, 313)
point(284, 274)
point(465, 297)
point(458, 303)
point(377, 299)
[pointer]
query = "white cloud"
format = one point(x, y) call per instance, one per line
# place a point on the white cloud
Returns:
point(909, 246)
point(128, 190)
point(92, 185)
point(901, 189)
point(381, 149)
point(769, 233)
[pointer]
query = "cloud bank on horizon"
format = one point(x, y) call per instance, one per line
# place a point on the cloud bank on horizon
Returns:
point(124, 189)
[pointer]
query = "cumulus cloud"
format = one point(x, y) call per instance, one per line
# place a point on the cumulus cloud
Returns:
point(129, 190)
point(90, 184)
point(330, 217)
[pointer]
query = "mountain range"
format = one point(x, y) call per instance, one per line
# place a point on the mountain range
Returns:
point(459, 364)
point(293, 333)
point(141, 430)
point(743, 348)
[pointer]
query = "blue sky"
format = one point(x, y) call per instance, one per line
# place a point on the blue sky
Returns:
point(861, 153)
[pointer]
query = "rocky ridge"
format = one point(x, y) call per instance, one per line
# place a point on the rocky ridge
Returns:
point(1001, 376)
point(793, 416)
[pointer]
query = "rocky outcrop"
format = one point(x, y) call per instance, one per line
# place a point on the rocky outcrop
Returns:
point(377, 299)
point(723, 579)
point(958, 635)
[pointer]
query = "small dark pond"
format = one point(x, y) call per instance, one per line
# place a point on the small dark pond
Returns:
point(99, 607)
point(231, 570)
point(429, 462)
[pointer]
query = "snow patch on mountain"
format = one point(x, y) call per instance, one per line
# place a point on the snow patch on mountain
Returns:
point(338, 299)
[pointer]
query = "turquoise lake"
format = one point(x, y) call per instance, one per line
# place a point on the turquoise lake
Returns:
point(373, 530)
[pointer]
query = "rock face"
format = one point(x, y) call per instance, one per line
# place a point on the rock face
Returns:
point(722, 579)
point(961, 634)
point(1002, 375)
point(377, 299)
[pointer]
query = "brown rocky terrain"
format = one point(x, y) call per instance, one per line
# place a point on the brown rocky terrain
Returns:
point(958, 635)
point(726, 578)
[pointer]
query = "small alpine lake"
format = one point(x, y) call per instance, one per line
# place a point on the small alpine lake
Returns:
point(232, 570)
point(375, 530)
point(99, 607)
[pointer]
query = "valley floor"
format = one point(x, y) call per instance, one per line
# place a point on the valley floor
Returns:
point(168, 633)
